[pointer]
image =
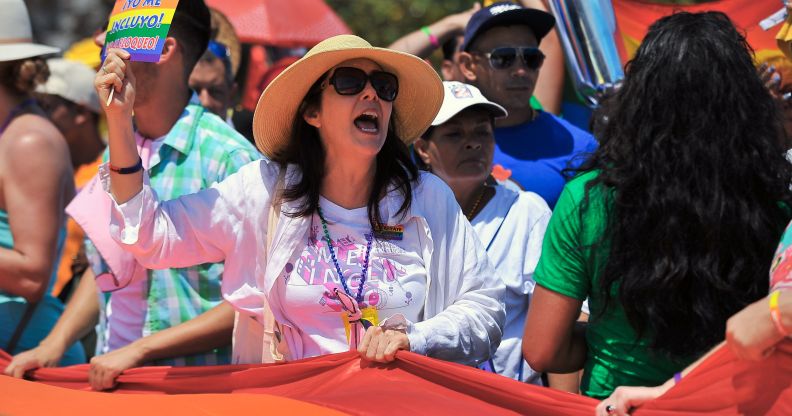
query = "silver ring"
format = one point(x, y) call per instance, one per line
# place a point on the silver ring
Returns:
point(104, 69)
point(610, 409)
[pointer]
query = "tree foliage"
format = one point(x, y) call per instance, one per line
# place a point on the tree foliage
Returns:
point(383, 21)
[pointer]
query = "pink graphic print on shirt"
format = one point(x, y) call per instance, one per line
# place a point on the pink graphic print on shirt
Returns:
point(314, 267)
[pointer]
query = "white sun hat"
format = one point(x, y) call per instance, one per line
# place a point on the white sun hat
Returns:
point(459, 96)
point(16, 34)
point(73, 81)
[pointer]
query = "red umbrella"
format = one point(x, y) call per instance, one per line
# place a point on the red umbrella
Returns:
point(285, 23)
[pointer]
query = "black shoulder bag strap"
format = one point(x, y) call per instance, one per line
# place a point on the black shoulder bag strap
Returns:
point(12, 343)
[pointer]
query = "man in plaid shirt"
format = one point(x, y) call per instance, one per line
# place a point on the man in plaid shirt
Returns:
point(185, 148)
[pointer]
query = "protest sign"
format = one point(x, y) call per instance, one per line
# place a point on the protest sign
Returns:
point(140, 27)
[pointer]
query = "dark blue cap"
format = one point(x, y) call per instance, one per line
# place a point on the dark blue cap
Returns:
point(507, 14)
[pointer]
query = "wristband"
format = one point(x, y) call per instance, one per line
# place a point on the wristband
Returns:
point(775, 313)
point(432, 38)
point(126, 171)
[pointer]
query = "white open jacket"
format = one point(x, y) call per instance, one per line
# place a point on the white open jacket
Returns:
point(463, 313)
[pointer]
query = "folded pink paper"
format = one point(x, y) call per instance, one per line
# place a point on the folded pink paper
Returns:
point(91, 210)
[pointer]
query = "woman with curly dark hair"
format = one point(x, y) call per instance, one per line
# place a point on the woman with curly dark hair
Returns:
point(670, 226)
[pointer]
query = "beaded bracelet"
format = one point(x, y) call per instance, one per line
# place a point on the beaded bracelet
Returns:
point(126, 171)
point(432, 38)
point(775, 313)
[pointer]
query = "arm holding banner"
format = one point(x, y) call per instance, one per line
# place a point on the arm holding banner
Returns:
point(750, 334)
point(625, 399)
point(77, 319)
point(464, 314)
point(207, 331)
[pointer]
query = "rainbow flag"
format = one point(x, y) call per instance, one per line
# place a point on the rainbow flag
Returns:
point(140, 27)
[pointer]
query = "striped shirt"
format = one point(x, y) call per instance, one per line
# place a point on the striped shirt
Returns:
point(186, 162)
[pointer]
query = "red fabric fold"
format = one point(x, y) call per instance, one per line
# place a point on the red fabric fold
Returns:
point(413, 384)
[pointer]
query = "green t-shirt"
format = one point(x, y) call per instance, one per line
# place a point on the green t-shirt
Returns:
point(615, 358)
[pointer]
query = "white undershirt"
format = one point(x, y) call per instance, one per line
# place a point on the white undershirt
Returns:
point(126, 310)
point(396, 281)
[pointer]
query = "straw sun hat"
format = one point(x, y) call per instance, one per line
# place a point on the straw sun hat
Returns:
point(419, 99)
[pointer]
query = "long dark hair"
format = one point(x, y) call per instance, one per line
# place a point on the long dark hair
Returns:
point(395, 170)
point(696, 183)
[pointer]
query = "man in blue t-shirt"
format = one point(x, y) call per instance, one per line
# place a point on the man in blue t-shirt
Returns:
point(501, 57)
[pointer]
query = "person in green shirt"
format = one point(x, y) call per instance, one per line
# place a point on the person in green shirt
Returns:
point(669, 227)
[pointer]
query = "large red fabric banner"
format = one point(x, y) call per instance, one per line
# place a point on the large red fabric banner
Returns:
point(413, 384)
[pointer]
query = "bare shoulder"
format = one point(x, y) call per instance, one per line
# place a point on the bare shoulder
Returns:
point(33, 151)
point(31, 137)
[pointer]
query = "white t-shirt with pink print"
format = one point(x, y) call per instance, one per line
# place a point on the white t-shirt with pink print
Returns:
point(395, 281)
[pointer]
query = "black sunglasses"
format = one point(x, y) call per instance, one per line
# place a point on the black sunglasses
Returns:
point(351, 81)
point(505, 57)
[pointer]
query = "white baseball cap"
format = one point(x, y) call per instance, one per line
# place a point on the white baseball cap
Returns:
point(73, 81)
point(16, 34)
point(459, 96)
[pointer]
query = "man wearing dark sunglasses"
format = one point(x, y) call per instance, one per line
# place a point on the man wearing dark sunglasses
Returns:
point(501, 57)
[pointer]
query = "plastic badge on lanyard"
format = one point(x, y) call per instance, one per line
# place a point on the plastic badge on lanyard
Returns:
point(356, 321)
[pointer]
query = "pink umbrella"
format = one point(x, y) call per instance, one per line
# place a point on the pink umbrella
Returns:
point(285, 23)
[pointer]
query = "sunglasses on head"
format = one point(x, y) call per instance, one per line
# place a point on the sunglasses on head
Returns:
point(220, 51)
point(351, 81)
point(505, 57)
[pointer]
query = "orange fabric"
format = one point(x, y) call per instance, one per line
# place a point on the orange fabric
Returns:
point(413, 384)
point(74, 234)
point(634, 18)
point(22, 397)
point(725, 385)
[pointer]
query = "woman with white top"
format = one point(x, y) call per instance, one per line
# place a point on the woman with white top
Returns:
point(511, 224)
point(336, 234)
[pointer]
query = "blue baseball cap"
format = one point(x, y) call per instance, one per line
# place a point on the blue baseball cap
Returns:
point(506, 13)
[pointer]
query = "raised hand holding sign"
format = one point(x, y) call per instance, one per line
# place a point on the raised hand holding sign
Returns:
point(139, 28)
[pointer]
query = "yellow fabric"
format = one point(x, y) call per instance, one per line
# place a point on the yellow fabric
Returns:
point(784, 35)
point(85, 51)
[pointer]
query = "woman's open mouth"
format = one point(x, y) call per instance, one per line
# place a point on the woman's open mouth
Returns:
point(368, 122)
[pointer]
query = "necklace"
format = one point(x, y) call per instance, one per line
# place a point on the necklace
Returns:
point(472, 211)
point(15, 112)
point(363, 272)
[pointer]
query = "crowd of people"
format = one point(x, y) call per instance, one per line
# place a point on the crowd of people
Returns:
point(378, 208)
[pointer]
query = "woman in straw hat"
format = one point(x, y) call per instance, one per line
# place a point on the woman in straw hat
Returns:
point(35, 184)
point(336, 237)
